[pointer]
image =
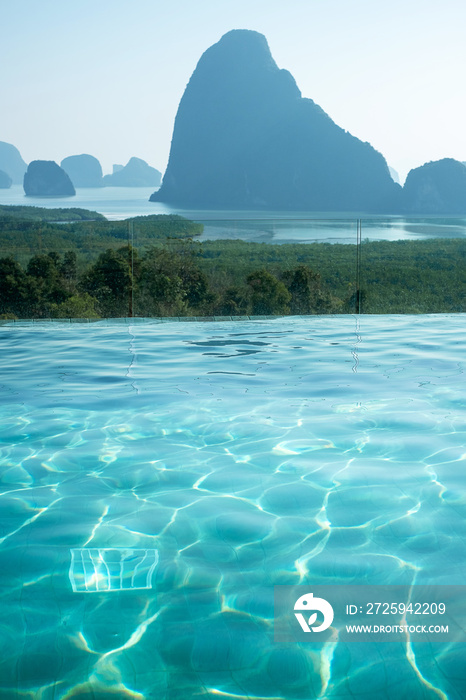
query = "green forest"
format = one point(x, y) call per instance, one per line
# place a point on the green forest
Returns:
point(90, 268)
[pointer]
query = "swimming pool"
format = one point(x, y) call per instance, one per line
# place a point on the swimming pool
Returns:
point(247, 455)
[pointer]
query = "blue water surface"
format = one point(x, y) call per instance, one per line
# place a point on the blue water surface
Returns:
point(248, 454)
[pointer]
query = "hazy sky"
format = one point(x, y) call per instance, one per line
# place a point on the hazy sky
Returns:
point(105, 76)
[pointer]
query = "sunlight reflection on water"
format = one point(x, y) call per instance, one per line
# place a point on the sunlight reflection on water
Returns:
point(331, 452)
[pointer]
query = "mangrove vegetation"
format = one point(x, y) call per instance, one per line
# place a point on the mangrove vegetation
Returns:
point(155, 266)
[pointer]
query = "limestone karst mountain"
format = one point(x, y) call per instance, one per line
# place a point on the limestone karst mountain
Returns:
point(438, 187)
point(45, 178)
point(5, 180)
point(12, 163)
point(244, 137)
point(136, 173)
point(84, 170)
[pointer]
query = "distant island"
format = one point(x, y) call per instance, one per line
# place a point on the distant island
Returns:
point(245, 138)
point(136, 173)
point(5, 180)
point(45, 178)
point(438, 187)
point(83, 170)
point(11, 162)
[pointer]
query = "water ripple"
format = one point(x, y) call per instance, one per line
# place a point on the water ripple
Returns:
point(250, 454)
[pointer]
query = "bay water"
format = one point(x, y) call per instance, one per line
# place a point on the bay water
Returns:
point(117, 203)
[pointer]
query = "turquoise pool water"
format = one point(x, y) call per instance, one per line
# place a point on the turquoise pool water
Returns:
point(243, 455)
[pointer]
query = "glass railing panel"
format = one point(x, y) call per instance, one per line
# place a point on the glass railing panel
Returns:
point(421, 268)
point(170, 266)
point(167, 281)
point(243, 267)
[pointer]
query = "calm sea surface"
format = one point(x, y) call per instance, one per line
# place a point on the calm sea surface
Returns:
point(267, 227)
point(158, 479)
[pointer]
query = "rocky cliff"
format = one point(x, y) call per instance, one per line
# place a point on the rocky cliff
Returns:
point(44, 178)
point(136, 173)
point(5, 180)
point(84, 170)
point(244, 137)
point(12, 163)
point(438, 187)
